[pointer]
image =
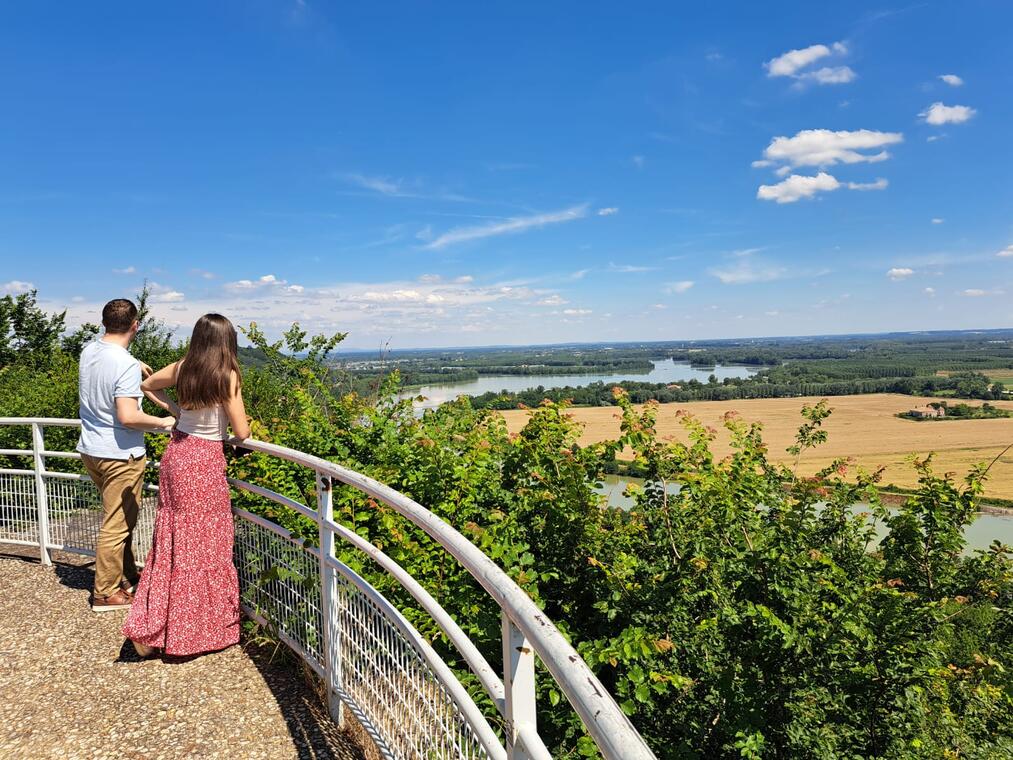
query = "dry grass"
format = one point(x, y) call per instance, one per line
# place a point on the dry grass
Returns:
point(863, 427)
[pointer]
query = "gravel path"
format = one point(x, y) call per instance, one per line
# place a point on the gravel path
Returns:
point(73, 688)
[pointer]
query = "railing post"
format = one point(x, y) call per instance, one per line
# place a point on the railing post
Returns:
point(330, 615)
point(41, 501)
point(519, 686)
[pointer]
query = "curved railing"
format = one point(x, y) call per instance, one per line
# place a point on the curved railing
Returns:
point(372, 660)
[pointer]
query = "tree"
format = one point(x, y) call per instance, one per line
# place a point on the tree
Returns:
point(27, 334)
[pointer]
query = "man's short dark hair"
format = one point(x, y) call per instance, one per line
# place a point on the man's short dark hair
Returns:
point(118, 315)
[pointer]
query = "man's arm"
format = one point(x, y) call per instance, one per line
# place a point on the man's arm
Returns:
point(130, 416)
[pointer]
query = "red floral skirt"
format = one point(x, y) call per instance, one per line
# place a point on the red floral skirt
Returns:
point(187, 599)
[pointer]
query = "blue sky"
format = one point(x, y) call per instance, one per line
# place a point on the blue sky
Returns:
point(437, 174)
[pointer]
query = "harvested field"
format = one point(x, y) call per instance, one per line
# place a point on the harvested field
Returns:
point(863, 427)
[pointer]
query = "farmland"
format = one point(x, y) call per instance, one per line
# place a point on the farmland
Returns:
point(864, 427)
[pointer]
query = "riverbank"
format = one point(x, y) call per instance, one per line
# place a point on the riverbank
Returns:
point(863, 427)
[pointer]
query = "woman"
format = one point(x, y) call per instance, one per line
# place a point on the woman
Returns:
point(187, 600)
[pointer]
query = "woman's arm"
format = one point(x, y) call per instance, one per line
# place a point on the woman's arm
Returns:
point(161, 399)
point(164, 378)
point(236, 410)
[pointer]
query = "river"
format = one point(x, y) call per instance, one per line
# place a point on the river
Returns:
point(666, 371)
point(979, 534)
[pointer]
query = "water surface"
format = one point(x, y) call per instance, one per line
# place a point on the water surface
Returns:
point(979, 534)
point(666, 371)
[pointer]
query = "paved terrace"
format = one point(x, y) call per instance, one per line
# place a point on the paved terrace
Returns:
point(73, 688)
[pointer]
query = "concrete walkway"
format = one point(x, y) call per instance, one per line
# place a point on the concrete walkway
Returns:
point(71, 687)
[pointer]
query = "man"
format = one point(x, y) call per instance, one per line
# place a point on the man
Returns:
point(112, 448)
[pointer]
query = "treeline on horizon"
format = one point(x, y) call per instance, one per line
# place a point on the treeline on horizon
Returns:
point(970, 385)
point(785, 367)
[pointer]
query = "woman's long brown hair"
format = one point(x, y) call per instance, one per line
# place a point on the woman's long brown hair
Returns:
point(204, 377)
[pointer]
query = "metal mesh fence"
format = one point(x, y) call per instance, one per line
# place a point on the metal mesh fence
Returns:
point(280, 582)
point(19, 513)
point(387, 679)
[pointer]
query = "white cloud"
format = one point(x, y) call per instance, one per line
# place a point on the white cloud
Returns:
point(952, 79)
point(425, 234)
point(797, 187)
point(15, 287)
point(788, 64)
point(267, 282)
point(879, 184)
point(577, 312)
point(607, 211)
point(823, 147)
point(125, 270)
point(937, 114)
point(829, 75)
point(580, 274)
point(203, 273)
point(930, 292)
point(793, 63)
point(169, 296)
point(900, 273)
point(937, 220)
point(1006, 252)
point(974, 292)
point(517, 224)
point(679, 287)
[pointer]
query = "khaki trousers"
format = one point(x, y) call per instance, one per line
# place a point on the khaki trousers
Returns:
point(120, 482)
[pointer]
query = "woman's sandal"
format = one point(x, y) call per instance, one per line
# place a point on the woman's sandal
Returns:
point(143, 650)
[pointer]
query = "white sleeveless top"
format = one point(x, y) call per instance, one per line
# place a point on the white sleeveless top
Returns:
point(211, 422)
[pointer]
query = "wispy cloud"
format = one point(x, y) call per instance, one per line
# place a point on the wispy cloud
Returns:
point(937, 220)
point(674, 288)
point(980, 293)
point(125, 270)
point(381, 185)
point(746, 271)
point(554, 300)
point(15, 287)
point(952, 79)
point(398, 188)
point(629, 268)
point(607, 211)
point(507, 227)
point(268, 281)
point(879, 184)
point(1006, 252)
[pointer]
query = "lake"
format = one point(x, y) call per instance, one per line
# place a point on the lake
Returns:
point(667, 371)
point(979, 534)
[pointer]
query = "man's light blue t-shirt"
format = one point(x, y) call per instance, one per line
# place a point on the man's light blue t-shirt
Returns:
point(108, 372)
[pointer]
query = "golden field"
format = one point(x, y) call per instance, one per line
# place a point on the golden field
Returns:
point(863, 427)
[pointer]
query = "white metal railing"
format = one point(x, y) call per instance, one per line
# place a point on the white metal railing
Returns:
point(371, 658)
